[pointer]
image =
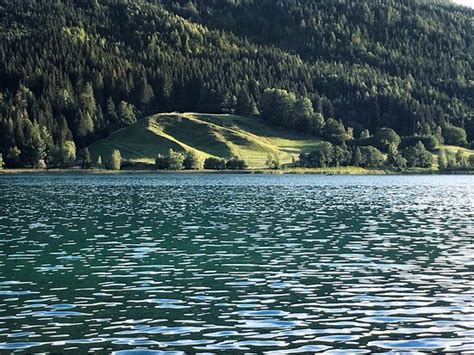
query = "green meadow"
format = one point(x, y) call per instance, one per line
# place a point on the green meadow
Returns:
point(208, 135)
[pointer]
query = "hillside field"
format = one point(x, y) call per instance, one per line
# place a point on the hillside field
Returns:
point(208, 135)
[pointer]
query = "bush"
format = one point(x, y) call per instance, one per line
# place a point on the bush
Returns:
point(395, 160)
point(236, 164)
point(214, 164)
point(86, 159)
point(372, 158)
point(454, 135)
point(192, 161)
point(340, 156)
point(172, 161)
point(399, 162)
point(98, 164)
point(64, 156)
point(319, 158)
point(430, 142)
point(418, 156)
point(161, 162)
point(13, 157)
point(273, 162)
point(115, 160)
point(356, 157)
point(462, 159)
point(175, 160)
point(442, 160)
point(335, 132)
point(385, 137)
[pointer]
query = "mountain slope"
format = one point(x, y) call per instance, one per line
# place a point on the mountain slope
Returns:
point(208, 135)
point(78, 70)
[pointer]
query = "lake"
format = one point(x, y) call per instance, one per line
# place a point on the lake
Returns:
point(208, 263)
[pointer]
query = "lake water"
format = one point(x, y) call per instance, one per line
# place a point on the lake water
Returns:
point(190, 263)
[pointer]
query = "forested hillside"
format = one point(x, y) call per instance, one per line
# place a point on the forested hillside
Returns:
point(71, 72)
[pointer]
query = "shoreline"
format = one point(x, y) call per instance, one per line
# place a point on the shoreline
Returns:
point(289, 171)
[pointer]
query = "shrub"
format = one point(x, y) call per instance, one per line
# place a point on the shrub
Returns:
point(385, 137)
point(319, 158)
point(356, 157)
point(115, 161)
point(462, 159)
point(192, 161)
point(65, 155)
point(98, 163)
point(442, 160)
point(175, 160)
point(395, 159)
point(273, 162)
point(13, 157)
point(372, 158)
point(214, 164)
point(172, 161)
point(454, 135)
point(335, 132)
point(418, 156)
point(86, 159)
point(236, 164)
point(161, 162)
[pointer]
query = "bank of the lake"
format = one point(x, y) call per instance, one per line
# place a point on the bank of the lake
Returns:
point(296, 171)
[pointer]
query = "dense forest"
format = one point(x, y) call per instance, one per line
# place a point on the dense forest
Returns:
point(73, 71)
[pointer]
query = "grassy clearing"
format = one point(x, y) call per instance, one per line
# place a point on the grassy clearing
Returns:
point(208, 135)
point(222, 136)
point(451, 151)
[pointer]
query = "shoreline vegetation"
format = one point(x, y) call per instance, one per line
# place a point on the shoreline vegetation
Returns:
point(286, 171)
point(210, 143)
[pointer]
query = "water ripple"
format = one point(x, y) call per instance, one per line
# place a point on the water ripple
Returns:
point(173, 264)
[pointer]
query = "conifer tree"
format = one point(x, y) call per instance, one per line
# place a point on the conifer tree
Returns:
point(115, 160)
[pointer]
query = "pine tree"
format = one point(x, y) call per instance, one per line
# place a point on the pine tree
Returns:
point(442, 160)
point(85, 124)
point(357, 157)
point(126, 113)
point(245, 105)
point(144, 94)
point(98, 164)
point(111, 112)
point(86, 159)
point(115, 160)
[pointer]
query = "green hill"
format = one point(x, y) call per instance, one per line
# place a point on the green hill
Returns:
point(209, 135)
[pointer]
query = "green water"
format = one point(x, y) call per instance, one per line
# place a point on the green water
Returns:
point(236, 263)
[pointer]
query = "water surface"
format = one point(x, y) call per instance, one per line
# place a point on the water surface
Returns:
point(236, 263)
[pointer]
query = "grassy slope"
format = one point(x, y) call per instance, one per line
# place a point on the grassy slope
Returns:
point(451, 150)
point(220, 136)
point(207, 134)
